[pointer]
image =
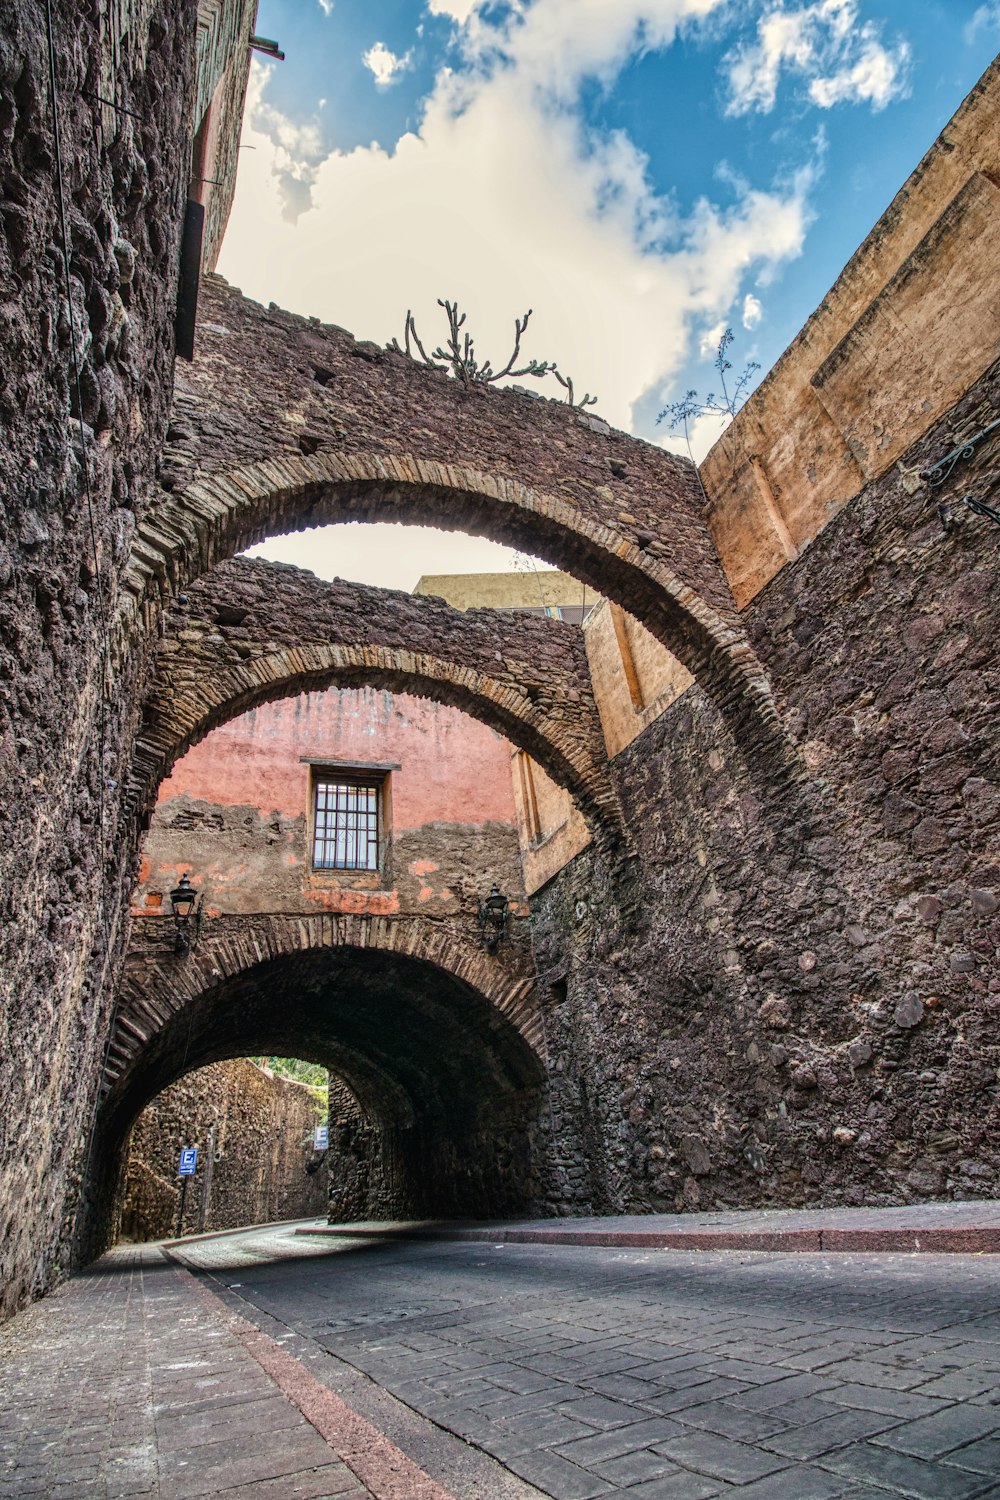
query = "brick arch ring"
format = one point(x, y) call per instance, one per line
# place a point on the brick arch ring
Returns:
point(175, 720)
point(157, 989)
point(221, 514)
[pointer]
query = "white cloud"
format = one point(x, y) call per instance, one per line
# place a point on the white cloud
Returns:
point(458, 10)
point(986, 18)
point(708, 342)
point(843, 59)
point(385, 67)
point(326, 6)
point(506, 201)
point(295, 151)
point(752, 311)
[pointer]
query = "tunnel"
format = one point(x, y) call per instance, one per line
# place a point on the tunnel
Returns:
point(450, 1091)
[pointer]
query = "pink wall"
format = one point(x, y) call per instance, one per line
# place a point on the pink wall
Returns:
point(452, 768)
point(235, 811)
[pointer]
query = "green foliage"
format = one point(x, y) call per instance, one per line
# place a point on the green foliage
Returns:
point(313, 1075)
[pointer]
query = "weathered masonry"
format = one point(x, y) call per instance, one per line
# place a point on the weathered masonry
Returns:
point(765, 970)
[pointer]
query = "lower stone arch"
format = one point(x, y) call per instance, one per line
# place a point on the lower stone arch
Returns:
point(224, 513)
point(437, 1039)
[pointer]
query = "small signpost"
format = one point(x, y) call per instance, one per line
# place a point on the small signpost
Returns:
point(321, 1138)
point(186, 1168)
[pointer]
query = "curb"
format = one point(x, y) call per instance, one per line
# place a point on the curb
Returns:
point(931, 1241)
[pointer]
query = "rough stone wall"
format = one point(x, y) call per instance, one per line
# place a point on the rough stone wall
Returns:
point(63, 541)
point(808, 1014)
point(263, 1144)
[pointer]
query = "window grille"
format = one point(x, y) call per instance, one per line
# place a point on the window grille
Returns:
point(346, 826)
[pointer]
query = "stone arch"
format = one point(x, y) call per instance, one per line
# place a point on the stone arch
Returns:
point(157, 989)
point(524, 677)
point(220, 514)
point(441, 1044)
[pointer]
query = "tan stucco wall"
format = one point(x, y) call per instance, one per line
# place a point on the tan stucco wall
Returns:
point(635, 677)
point(911, 321)
point(538, 587)
point(550, 828)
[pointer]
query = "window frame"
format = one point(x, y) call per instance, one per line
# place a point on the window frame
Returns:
point(331, 774)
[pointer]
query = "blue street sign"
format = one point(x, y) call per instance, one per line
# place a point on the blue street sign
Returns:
point(321, 1137)
point(189, 1161)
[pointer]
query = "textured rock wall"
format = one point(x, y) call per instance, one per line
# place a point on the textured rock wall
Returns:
point(808, 1014)
point(263, 1144)
point(76, 470)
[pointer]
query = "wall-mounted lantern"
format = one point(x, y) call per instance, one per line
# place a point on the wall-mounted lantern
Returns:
point(186, 905)
point(493, 915)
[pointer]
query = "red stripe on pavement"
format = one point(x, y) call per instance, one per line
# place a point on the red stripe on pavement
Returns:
point(381, 1467)
point(935, 1240)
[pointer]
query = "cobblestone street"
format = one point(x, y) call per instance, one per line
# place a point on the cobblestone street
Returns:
point(282, 1365)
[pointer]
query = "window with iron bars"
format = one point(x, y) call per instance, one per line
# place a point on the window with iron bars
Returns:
point(347, 818)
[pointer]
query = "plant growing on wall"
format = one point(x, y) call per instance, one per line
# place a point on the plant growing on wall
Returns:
point(727, 403)
point(459, 356)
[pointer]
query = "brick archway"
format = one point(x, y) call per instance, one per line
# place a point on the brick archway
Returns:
point(157, 988)
point(440, 1043)
point(282, 423)
point(224, 513)
point(253, 631)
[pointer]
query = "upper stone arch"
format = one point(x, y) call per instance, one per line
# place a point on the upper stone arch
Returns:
point(282, 424)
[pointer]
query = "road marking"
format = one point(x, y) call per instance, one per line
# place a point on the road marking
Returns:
point(381, 1467)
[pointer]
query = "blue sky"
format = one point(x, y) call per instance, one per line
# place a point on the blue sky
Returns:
point(640, 172)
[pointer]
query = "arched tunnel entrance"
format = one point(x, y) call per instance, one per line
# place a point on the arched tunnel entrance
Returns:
point(450, 1089)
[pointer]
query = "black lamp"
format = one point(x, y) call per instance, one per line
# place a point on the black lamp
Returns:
point(186, 904)
point(493, 915)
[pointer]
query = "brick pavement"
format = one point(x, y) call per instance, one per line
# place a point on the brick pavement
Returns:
point(497, 1372)
point(131, 1382)
point(592, 1372)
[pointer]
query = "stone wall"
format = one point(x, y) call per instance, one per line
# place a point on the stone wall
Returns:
point(263, 1133)
point(76, 470)
point(87, 364)
point(767, 1014)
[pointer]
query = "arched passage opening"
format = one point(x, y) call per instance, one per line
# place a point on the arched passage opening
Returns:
point(440, 1045)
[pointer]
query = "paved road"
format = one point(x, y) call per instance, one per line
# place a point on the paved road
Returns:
point(658, 1375)
point(294, 1368)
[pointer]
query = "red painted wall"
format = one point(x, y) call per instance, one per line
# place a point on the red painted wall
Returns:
point(235, 811)
point(452, 768)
